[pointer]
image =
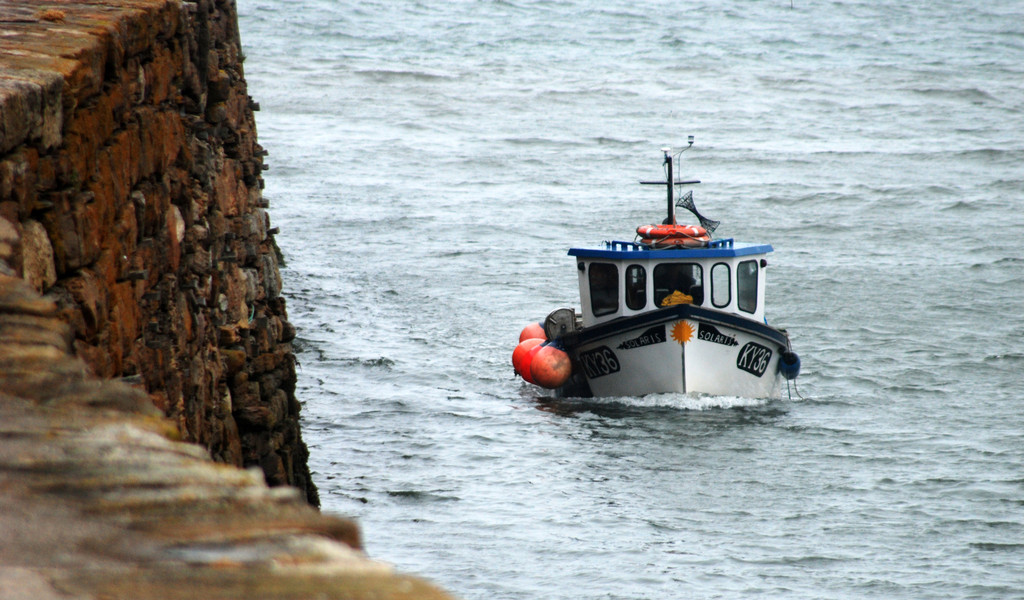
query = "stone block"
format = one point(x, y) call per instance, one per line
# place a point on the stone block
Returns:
point(218, 87)
point(265, 362)
point(196, 235)
point(271, 276)
point(122, 156)
point(228, 335)
point(160, 74)
point(95, 357)
point(274, 470)
point(251, 412)
point(9, 238)
point(199, 261)
point(279, 405)
point(269, 383)
point(234, 360)
point(175, 235)
point(30, 107)
point(232, 452)
point(16, 113)
point(252, 280)
point(159, 400)
point(18, 179)
point(9, 211)
point(37, 264)
point(126, 322)
point(288, 332)
point(89, 295)
point(238, 310)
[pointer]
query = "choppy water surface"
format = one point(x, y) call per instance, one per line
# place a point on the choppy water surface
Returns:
point(431, 163)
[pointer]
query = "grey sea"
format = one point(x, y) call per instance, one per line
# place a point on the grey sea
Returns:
point(432, 162)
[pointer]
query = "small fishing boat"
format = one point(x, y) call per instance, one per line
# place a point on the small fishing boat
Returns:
point(674, 310)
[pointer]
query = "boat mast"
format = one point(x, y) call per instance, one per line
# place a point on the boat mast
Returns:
point(669, 180)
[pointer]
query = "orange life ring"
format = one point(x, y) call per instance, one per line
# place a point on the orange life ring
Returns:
point(672, 231)
point(679, 242)
point(673, 236)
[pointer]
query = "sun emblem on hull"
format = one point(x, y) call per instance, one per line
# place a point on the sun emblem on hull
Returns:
point(682, 332)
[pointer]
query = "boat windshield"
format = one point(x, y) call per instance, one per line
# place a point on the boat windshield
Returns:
point(685, 278)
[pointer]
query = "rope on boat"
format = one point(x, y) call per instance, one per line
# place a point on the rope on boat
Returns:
point(795, 389)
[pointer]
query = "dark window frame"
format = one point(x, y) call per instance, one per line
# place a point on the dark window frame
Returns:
point(601, 302)
point(636, 288)
point(715, 286)
point(744, 293)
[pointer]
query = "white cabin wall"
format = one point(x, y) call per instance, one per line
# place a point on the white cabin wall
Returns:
point(706, 265)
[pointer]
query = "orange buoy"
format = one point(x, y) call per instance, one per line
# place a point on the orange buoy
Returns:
point(550, 367)
point(523, 355)
point(533, 330)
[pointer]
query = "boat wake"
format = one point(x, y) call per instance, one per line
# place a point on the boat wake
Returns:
point(614, 405)
point(683, 401)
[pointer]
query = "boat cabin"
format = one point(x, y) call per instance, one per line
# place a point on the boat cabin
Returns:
point(627, 278)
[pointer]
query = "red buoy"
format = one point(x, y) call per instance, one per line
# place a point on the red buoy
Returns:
point(550, 367)
point(533, 330)
point(523, 355)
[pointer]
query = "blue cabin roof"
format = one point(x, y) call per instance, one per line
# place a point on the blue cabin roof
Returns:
point(723, 248)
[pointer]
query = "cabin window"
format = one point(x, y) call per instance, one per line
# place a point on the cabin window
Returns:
point(604, 288)
point(686, 278)
point(746, 286)
point(721, 290)
point(636, 287)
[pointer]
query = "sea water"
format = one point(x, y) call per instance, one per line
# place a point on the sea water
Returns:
point(432, 162)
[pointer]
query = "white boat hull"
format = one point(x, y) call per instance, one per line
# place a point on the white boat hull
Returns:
point(682, 349)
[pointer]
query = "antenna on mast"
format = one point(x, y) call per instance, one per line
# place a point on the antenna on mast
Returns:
point(670, 181)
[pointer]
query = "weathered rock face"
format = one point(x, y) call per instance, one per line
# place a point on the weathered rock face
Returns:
point(130, 194)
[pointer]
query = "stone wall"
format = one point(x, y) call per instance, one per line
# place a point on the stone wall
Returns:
point(130, 194)
point(97, 503)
